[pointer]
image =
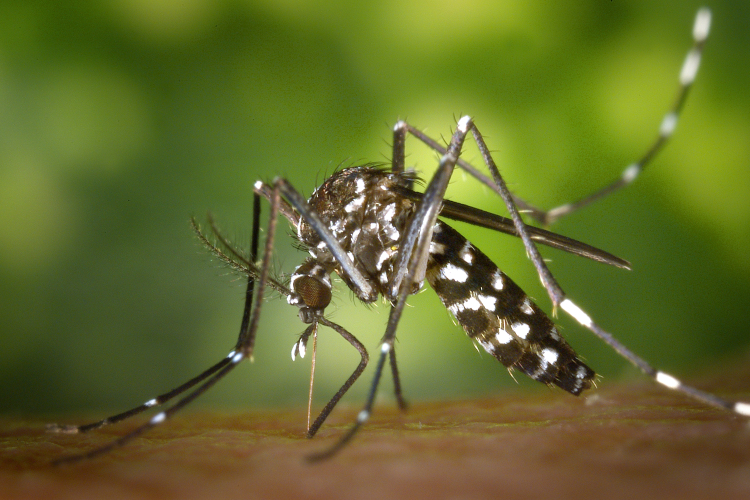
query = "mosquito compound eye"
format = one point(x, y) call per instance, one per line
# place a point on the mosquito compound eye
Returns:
point(315, 293)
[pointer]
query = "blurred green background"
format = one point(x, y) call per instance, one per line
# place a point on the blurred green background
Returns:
point(120, 119)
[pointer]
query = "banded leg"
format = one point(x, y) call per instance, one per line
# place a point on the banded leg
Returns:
point(688, 72)
point(243, 350)
point(687, 76)
point(167, 396)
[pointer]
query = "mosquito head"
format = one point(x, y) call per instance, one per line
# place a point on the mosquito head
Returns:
point(311, 290)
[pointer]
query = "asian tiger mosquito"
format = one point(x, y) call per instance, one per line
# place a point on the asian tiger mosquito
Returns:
point(381, 237)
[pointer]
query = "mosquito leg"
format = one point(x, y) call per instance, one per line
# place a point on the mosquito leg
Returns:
point(402, 404)
point(155, 420)
point(266, 191)
point(167, 396)
point(554, 290)
point(246, 338)
point(242, 351)
point(398, 157)
point(349, 382)
point(669, 381)
point(687, 76)
point(688, 73)
point(151, 403)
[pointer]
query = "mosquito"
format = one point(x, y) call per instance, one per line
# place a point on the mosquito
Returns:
point(369, 226)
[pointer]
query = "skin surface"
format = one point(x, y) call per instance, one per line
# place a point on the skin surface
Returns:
point(621, 441)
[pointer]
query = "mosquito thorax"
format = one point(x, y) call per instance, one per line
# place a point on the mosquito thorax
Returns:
point(362, 209)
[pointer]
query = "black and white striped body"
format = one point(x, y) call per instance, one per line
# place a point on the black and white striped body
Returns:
point(365, 213)
point(367, 217)
point(495, 312)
